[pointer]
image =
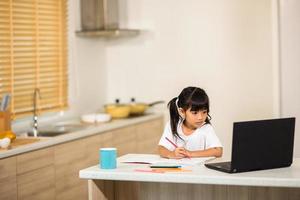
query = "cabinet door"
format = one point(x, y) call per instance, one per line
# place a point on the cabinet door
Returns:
point(69, 159)
point(35, 160)
point(124, 139)
point(36, 175)
point(148, 135)
point(8, 180)
point(93, 144)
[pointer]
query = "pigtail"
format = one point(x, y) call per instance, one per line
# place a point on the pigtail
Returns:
point(174, 116)
point(207, 121)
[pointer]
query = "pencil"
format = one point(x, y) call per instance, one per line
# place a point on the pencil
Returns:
point(171, 142)
point(175, 145)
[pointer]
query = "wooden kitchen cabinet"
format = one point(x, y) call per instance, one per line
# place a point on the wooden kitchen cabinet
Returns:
point(148, 135)
point(8, 178)
point(73, 156)
point(92, 145)
point(36, 175)
point(37, 184)
point(124, 140)
point(35, 160)
point(69, 159)
point(53, 173)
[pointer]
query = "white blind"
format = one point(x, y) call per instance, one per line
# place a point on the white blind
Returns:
point(33, 54)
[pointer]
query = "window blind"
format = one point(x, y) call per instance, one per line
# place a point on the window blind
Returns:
point(33, 54)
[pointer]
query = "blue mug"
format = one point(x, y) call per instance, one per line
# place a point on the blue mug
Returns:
point(108, 158)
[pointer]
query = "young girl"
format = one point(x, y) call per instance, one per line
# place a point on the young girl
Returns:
point(189, 132)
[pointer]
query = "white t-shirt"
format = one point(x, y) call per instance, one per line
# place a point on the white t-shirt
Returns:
point(202, 138)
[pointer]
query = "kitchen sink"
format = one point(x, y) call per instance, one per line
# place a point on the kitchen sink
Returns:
point(58, 129)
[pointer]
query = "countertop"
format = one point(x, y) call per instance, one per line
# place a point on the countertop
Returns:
point(280, 177)
point(88, 131)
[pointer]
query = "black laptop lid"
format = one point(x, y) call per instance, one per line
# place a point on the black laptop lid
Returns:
point(262, 144)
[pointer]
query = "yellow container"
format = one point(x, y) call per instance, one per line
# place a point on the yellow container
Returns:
point(117, 111)
point(5, 120)
point(9, 134)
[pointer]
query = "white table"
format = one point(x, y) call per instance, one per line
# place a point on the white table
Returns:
point(201, 183)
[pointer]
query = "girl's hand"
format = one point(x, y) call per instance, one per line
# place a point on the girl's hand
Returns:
point(188, 153)
point(180, 152)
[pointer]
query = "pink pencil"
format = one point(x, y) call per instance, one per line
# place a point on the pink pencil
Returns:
point(171, 142)
point(148, 170)
point(175, 145)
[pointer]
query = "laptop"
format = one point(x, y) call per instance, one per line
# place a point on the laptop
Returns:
point(258, 145)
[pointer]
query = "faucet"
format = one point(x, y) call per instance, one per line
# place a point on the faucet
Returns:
point(35, 117)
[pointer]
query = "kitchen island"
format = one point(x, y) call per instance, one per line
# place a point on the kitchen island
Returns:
point(200, 183)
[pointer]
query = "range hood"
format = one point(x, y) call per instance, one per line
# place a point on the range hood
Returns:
point(101, 18)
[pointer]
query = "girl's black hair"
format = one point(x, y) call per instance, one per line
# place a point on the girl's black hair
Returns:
point(190, 97)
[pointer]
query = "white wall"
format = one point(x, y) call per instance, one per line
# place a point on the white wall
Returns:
point(222, 46)
point(290, 59)
point(87, 57)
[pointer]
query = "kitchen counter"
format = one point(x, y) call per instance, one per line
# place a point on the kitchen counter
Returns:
point(88, 131)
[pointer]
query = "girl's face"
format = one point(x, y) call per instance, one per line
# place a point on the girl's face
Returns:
point(195, 119)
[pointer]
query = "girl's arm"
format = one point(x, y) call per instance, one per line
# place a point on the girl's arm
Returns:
point(215, 151)
point(177, 153)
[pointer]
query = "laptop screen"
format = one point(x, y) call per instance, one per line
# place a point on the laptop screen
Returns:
point(262, 144)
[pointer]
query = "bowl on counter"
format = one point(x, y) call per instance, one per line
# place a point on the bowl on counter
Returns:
point(96, 118)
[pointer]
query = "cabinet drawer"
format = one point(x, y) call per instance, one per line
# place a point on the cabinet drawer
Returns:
point(35, 160)
point(7, 167)
point(124, 140)
point(93, 144)
point(148, 146)
point(149, 130)
point(70, 157)
point(121, 136)
point(37, 184)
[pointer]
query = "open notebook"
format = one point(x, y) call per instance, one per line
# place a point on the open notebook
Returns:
point(157, 160)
